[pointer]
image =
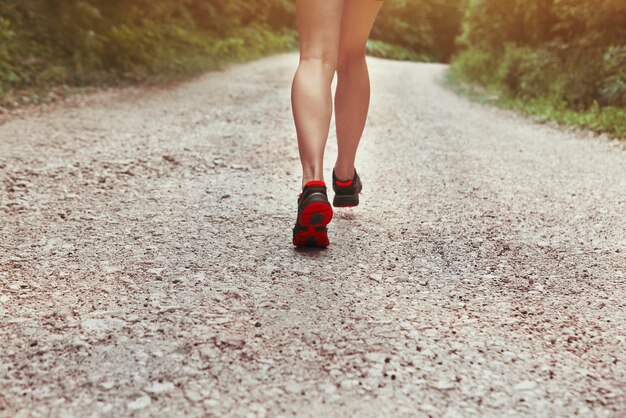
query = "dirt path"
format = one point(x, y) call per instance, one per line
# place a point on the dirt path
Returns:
point(146, 265)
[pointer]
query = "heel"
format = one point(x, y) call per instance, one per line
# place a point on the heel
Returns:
point(345, 201)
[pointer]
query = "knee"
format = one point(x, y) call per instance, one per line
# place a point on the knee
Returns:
point(325, 59)
point(350, 58)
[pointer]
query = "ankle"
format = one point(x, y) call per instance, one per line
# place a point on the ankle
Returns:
point(344, 173)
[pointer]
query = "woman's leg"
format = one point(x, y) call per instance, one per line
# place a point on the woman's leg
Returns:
point(353, 84)
point(319, 28)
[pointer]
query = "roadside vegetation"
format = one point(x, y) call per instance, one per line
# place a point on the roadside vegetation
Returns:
point(52, 45)
point(562, 60)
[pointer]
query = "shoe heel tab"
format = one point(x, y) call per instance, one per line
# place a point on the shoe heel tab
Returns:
point(317, 183)
point(343, 183)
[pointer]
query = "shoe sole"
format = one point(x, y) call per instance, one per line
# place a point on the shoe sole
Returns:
point(345, 201)
point(314, 219)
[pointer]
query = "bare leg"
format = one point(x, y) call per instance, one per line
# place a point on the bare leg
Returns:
point(353, 84)
point(319, 27)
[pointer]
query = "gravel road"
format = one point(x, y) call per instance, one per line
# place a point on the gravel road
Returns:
point(146, 266)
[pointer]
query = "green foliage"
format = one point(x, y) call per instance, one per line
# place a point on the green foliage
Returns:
point(384, 50)
point(428, 28)
point(570, 54)
point(597, 118)
point(475, 65)
point(614, 86)
point(523, 70)
point(84, 42)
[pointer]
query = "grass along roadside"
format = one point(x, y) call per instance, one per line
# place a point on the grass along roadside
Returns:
point(608, 120)
point(47, 77)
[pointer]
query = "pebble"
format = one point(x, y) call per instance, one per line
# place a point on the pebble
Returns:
point(101, 325)
point(294, 387)
point(377, 277)
point(328, 388)
point(525, 385)
point(193, 395)
point(349, 384)
point(159, 387)
point(426, 407)
point(375, 357)
point(108, 385)
point(77, 342)
point(231, 341)
point(139, 403)
point(443, 385)
point(106, 408)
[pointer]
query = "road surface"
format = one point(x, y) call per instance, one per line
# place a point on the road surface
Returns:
point(146, 266)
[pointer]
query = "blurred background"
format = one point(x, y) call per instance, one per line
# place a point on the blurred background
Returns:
point(559, 59)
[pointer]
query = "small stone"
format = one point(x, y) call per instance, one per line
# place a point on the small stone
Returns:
point(525, 385)
point(569, 331)
point(375, 357)
point(171, 159)
point(294, 388)
point(212, 403)
point(349, 384)
point(230, 341)
point(452, 413)
point(207, 352)
point(443, 385)
point(158, 388)
point(426, 407)
point(111, 270)
point(139, 403)
point(405, 410)
point(108, 385)
point(377, 277)
point(101, 325)
point(78, 343)
point(105, 408)
point(193, 395)
point(328, 389)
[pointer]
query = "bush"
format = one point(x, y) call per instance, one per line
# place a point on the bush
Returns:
point(527, 72)
point(425, 28)
point(570, 54)
point(614, 86)
point(85, 42)
point(475, 65)
point(384, 50)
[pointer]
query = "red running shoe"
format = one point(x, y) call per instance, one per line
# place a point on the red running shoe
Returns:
point(314, 213)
